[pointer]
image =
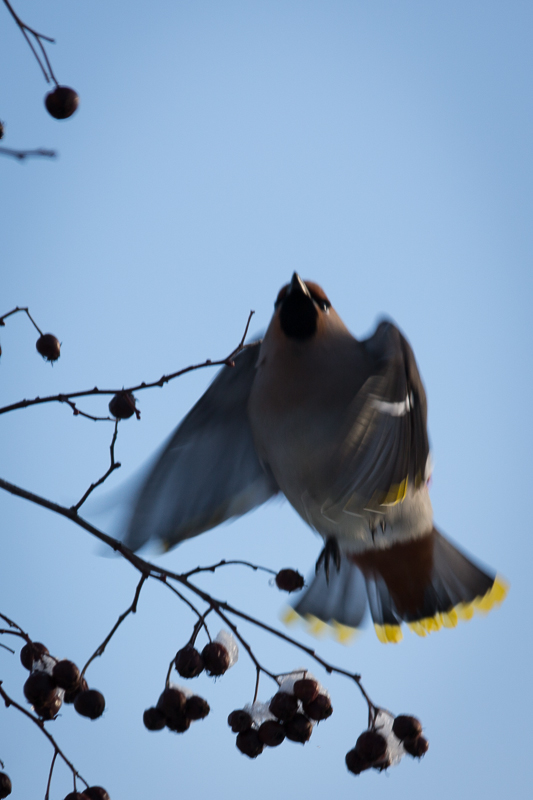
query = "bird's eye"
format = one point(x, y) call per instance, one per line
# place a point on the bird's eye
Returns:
point(321, 300)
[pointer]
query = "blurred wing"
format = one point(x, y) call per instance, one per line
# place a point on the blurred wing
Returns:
point(385, 448)
point(208, 471)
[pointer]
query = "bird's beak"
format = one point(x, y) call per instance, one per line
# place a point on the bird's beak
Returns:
point(297, 285)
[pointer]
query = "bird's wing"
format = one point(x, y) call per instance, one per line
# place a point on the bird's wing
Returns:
point(385, 446)
point(208, 471)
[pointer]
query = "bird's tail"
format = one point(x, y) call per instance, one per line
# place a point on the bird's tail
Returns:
point(427, 583)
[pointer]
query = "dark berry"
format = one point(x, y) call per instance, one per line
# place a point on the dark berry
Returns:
point(284, 706)
point(32, 652)
point(249, 743)
point(71, 696)
point(188, 662)
point(39, 689)
point(1, 137)
point(61, 102)
point(196, 707)
point(90, 703)
point(405, 727)
point(271, 733)
point(239, 721)
point(288, 580)
point(178, 723)
point(171, 701)
point(51, 708)
point(320, 708)
point(48, 346)
point(306, 690)
point(371, 746)
point(95, 793)
point(66, 675)
point(216, 658)
point(75, 796)
point(154, 719)
point(299, 729)
point(356, 763)
point(416, 747)
point(5, 785)
point(122, 405)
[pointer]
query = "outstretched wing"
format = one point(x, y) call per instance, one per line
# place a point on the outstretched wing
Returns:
point(385, 445)
point(208, 471)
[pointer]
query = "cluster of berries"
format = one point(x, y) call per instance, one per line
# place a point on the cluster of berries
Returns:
point(53, 682)
point(176, 708)
point(290, 714)
point(91, 793)
point(216, 657)
point(385, 744)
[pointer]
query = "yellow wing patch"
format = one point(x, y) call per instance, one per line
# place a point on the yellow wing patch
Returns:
point(316, 627)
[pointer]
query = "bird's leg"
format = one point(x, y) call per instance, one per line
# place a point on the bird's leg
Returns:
point(330, 552)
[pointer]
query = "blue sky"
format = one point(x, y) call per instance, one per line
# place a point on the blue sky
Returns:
point(381, 149)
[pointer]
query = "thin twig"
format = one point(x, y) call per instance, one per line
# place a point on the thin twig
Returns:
point(47, 795)
point(224, 563)
point(131, 610)
point(112, 467)
point(16, 311)
point(65, 396)
point(21, 155)
point(40, 724)
point(39, 37)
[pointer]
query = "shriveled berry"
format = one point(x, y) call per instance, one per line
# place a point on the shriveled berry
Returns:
point(239, 721)
point(188, 662)
point(66, 675)
point(371, 746)
point(288, 580)
point(405, 727)
point(90, 703)
point(51, 708)
point(154, 719)
point(96, 793)
point(299, 729)
point(39, 688)
point(356, 763)
point(320, 708)
point(416, 747)
point(48, 347)
point(5, 785)
point(196, 707)
point(284, 706)
point(32, 651)
point(75, 796)
point(271, 733)
point(171, 702)
point(249, 743)
point(306, 690)
point(216, 658)
point(122, 405)
point(61, 102)
point(71, 696)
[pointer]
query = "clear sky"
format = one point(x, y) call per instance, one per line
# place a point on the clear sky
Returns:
point(382, 149)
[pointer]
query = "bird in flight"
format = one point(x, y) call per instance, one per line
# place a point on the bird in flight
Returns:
point(339, 427)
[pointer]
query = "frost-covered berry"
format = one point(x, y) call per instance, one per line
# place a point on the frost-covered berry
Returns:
point(320, 708)
point(371, 746)
point(406, 727)
point(289, 580)
point(196, 707)
point(249, 743)
point(284, 706)
point(61, 102)
point(39, 688)
point(239, 721)
point(32, 651)
point(50, 709)
point(416, 747)
point(271, 733)
point(216, 658)
point(66, 675)
point(48, 346)
point(188, 662)
point(154, 719)
point(90, 703)
point(299, 729)
point(306, 689)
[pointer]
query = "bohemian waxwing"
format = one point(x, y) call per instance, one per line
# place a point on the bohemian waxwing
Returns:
point(339, 427)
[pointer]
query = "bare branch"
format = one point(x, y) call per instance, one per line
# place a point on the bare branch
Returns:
point(21, 155)
point(16, 311)
point(113, 466)
point(39, 38)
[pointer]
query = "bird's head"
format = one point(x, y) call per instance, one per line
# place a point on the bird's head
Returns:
point(301, 308)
